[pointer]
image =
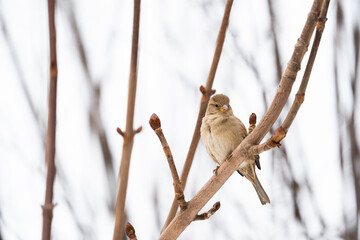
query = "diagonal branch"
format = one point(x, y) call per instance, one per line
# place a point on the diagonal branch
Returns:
point(185, 217)
point(206, 94)
point(129, 133)
point(280, 133)
point(51, 129)
point(179, 193)
point(299, 99)
point(287, 78)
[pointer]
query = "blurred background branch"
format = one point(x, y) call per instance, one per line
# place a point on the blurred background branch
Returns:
point(129, 133)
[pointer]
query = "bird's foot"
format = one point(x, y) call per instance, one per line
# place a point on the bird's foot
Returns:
point(215, 170)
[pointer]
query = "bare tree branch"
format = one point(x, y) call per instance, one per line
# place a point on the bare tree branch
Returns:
point(287, 78)
point(129, 133)
point(51, 129)
point(179, 193)
point(299, 98)
point(280, 133)
point(206, 94)
point(208, 214)
point(185, 217)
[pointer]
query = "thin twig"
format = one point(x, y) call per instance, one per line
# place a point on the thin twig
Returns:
point(51, 129)
point(208, 214)
point(206, 94)
point(129, 133)
point(130, 231)
point(184, 218)
point(179, 193)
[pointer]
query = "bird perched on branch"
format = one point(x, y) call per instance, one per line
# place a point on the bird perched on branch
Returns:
point(221, 133)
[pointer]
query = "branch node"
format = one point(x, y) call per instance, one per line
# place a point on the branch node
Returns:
point(139, 129)
point(154, 122)
point(202, 89)
point(294, 66)
point(320, 25)
point(209, 213)
point(130, 231)
point(205, 93)
point(278, 136)
point(48, 207)
point(120, 132)
point(300, 97)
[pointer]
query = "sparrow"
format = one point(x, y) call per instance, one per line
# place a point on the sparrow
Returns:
point(221, 133)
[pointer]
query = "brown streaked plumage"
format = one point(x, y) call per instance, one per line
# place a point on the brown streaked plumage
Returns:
point(221, 133)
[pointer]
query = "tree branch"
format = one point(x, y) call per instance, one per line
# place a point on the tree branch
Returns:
point(129, 133)
point(208, 214)
point(185, 217)
point(51, 129)
point(206, 94)
point(179, 193)
point(281, 132)
point(287, 78)
point(299, 98)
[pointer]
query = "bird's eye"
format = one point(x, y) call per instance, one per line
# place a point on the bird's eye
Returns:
point(216, 105)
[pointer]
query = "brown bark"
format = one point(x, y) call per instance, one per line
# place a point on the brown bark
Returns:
point(129, 133)
point(207, 92)
point(51, 129)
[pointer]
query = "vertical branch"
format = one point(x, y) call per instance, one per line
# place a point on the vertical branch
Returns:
point(207, 92)
point(129, 133)
point(50, 138)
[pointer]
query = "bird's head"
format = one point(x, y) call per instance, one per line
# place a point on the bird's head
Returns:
point(219, 104)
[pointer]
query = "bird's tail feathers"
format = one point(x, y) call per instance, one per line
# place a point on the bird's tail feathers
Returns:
point(264, 199)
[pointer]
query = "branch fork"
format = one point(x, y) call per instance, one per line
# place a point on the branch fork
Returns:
point(124, 135)
point(206, 94)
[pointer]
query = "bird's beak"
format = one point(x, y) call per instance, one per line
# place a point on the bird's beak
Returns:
point(224, 108)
